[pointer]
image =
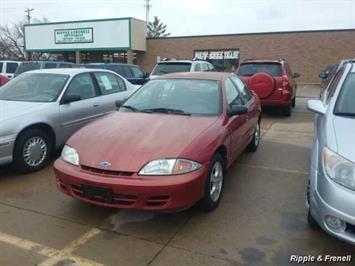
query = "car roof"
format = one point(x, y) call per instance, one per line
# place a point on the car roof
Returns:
point(247, 61)
point(197, 75)
point(109, 64)
point(40, 62)
point(67, 71)
point(10, 61)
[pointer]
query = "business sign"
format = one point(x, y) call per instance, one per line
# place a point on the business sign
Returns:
point(80, 35)
point(216, 54)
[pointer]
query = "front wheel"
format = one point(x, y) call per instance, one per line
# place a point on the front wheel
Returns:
point(213, 185)
point(32, 151)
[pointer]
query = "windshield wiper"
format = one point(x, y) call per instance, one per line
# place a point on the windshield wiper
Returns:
point(167, 111)
point(134, 109)
point(344, 114)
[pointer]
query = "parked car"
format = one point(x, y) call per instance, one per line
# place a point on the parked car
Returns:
point(3, 80)
point(43, 108)
point(8, 68)
point(272, 80)
point(329, 72)
point(331, 188)
point(166, 148)
point(173, 66)
point(132, 73)
point(33, 65)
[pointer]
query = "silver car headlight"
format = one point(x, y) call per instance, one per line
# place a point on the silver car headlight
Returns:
point(339, 169)
point(169, 167)
point(70, 155)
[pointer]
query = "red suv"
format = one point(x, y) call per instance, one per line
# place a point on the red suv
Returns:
point(272, 81)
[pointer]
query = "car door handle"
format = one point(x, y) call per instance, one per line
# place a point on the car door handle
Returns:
point(96, 105)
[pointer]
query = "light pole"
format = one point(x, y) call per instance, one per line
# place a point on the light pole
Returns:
point(147, 6)
point(28, 11)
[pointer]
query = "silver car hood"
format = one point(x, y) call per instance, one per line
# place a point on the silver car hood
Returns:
point(344, 129)
point(13, 109)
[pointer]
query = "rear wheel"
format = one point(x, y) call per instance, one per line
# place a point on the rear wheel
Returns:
point(32, 151)
point(287, 109)
point(213, 185)
point(254, 144)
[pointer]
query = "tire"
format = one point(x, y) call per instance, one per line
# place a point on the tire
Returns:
point(311, 221)
point(294, 102)
point(254, 143)
point(40, 151)
point(210, 201)
point(287, 110)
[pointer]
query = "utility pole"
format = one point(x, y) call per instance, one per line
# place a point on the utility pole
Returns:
point(147, 6)
point(28, 11)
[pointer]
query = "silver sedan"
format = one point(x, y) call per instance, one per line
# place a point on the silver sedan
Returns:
point(331, 189)
point(40, 110)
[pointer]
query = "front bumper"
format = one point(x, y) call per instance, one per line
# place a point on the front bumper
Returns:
point(6, 149)
point(159, 193)
point(329, 198)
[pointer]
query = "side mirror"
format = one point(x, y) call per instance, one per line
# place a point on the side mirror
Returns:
point(296, 75)
point(316, 106)
point(323, 75)
point(237, 110)
point(69, 98)
point(119, 103)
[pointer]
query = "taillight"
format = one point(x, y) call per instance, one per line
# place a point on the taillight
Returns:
point(285, 81)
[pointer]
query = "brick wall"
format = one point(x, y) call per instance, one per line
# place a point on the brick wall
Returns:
point(307, 52)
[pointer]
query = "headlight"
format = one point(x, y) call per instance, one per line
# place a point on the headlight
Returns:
point(339, 169)
point(169, 167)
point(70, 155)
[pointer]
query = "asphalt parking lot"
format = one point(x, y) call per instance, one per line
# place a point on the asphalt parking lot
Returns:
point(261, 219)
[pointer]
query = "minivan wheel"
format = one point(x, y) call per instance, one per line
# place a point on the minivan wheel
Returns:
point(287, 109)
point(213, 185)
point(32, 151)
point(254, 144)
point(311, 221)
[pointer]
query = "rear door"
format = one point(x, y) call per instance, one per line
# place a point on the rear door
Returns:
point(237, 125)
point(75, 115)
point(111, 88)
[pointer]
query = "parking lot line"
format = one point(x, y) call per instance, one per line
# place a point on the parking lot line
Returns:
point(46, 251)
point(66, 252)
point(273, 168)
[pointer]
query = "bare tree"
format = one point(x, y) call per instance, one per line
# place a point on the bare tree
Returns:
point(12, 41)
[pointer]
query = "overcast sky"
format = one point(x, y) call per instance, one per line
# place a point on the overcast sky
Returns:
point(197, 17)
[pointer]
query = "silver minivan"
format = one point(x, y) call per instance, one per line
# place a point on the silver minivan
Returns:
point(331, 188)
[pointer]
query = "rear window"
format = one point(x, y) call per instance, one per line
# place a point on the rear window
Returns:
point(27, 67)
point(273, 69)
point(166, 68)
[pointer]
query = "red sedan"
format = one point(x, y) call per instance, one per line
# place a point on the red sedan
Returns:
point(166, 148)
point(3, 80)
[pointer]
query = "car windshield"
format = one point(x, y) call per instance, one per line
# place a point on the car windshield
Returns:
point(177, 96)
point(34, 87)
point(166, 68)
point(345, 103)
point(274, 69)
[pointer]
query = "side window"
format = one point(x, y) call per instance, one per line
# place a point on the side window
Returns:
point(63, 65)
point(204, 67)
point(211, 67)
point(109, 83)
point(333, 85)
point(246, 94)
point(50, 65)
point(197, 67)
point(11, 68)
point(232, 94)
point(1, 64)
point(137, 73)
point(82, 85)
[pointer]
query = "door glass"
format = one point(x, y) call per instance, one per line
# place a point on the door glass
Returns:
point(242, 88)
point(82, 85)
point(1, 64)
point(233, 96)
point(137, 73)
point(109, 83)
point(198, 67)
point(11, 68)
point(333, 85)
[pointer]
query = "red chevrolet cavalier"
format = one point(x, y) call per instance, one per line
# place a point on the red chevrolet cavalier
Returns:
point(166, 148)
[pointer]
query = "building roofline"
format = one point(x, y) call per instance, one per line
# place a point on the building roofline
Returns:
point(252, 33)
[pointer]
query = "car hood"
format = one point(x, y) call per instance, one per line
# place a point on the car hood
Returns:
point(344, 129)
point(13, 109)
point(130, 140)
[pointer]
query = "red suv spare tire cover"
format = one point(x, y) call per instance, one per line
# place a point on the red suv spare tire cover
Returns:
point(262, 84)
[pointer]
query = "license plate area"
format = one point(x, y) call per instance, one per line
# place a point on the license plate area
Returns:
point(97, 193)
